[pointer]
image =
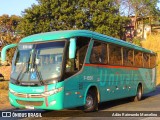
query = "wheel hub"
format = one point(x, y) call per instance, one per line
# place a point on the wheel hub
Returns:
point(89, 102)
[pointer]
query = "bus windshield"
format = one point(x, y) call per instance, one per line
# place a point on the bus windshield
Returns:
point(35, 64)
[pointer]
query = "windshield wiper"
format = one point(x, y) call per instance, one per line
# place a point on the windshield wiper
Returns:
point(21, 74)
point(34, 65)
point(39, 74)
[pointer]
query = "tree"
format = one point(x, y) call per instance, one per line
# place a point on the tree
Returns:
point(8, 24)
point(9, 32)
point(96, 15)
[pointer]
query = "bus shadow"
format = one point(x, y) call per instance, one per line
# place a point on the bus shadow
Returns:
point(113, 103)
point(78, 112)
point(154, 93)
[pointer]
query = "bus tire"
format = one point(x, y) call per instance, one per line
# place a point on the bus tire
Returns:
point(138, 96)
point(91, 104)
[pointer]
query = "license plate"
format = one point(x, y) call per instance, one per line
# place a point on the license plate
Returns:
point(29, 107)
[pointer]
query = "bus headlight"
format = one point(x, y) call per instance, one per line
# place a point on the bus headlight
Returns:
point(44, 94)
point(51, 92)
point(11, 91)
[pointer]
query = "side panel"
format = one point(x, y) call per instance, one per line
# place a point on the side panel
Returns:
point(116, 82)
point(148, 77)
point(71, 90)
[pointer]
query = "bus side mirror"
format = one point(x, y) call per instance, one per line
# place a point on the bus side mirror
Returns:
point(72, 48)
point(3, 53)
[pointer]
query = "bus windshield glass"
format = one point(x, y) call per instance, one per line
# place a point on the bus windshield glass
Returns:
point(37, 63)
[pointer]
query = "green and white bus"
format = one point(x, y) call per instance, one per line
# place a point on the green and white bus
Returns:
point(72, 68)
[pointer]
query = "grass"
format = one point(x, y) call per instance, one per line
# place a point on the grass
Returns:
point(5, 71)
point(153, 43)
point(4, 85)
point(4, 100)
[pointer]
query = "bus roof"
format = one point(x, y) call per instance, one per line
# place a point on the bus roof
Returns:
point(58, 35)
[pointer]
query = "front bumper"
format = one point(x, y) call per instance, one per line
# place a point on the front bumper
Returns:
point(23, 97)
point(53, 102)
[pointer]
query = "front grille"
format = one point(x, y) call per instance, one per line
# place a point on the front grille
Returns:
point(36, 96)
point(30, 103)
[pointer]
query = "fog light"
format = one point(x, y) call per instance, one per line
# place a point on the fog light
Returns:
point(53, 102)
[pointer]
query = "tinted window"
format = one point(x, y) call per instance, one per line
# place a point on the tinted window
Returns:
point(127, 57)
point(99, 53)
point(115, 56)
point(152, 61)
point(146, 60)
point(138, 59)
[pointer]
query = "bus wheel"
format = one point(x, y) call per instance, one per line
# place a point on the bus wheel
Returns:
point(138, 96)
point(91, 102)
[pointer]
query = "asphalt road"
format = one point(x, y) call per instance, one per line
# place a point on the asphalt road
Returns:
point(118, 109)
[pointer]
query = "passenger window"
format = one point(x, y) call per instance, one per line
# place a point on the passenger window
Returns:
point(146, 60)
point(99, 53)
point(127, 57)
point(115, 56)
point(138, 59)
point(152, 61)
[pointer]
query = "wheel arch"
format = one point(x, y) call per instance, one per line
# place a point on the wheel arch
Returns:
point(93, 87)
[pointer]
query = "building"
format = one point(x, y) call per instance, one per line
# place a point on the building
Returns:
point(141, 27)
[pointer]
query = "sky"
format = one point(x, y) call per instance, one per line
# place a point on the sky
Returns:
point(15, 7)
point(158, 5)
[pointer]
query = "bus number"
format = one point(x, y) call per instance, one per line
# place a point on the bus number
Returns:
point(88, 77)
